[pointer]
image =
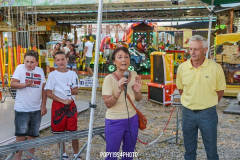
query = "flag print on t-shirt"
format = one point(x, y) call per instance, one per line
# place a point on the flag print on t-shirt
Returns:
point(36, 78)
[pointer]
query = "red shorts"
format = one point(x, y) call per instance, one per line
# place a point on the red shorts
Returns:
point(64, 117)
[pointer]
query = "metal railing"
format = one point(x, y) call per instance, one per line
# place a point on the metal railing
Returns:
point(7, 92)
point(11, 149)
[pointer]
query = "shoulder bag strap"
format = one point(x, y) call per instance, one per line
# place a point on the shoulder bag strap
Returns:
point(130, 100)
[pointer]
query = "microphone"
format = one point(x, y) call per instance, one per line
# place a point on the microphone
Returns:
point(126, 75)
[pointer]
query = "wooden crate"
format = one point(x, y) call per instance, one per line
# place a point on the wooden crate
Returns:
point(230, 49)
point(231, 59)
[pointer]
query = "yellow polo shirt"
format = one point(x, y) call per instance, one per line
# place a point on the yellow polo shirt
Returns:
point(200, 84)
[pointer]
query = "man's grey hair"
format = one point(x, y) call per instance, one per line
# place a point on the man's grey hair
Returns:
point(199, 38)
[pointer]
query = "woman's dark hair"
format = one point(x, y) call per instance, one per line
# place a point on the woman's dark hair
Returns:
point(33, 54)
point(124, 49)
point(59, 52)
point(74, 50)
point(73, 45)
point(57, 44)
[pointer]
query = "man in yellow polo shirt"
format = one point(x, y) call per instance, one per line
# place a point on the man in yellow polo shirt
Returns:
point(201, 83)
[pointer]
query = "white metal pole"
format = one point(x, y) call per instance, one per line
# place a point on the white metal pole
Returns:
point(95, 78)
point(210, 29)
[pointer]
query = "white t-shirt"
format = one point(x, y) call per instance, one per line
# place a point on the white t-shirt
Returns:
point(89, 44)
point(29, 99)
point(80, 46)
point(61, 83)
point(66, 50)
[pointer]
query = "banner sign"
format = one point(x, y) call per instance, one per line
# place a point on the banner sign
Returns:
point(86, 82)
point(37, 28)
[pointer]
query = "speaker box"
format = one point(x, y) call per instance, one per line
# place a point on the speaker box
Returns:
point(161, 67)
point(161, 93)
point(158, 69)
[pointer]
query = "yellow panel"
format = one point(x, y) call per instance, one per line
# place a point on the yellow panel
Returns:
point(231, 90)
point(51, 62)
point(233, 37)
point(168, 67)
point(158, 53)
point(234, 86)
point(151, 62)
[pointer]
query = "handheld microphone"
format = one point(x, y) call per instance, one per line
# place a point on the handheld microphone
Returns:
point(126, 75)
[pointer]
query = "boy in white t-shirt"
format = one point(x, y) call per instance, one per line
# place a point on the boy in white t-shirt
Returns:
point(61, 85)
point(30, 102)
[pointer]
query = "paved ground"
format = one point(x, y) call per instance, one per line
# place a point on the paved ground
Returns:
point(228, 133)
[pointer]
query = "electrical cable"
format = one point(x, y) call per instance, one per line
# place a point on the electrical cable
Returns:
point(169, 118)
point(161, 134)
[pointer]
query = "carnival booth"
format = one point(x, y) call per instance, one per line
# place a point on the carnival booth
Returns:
point(142, 36)
point(10, 57)
point(228, 55)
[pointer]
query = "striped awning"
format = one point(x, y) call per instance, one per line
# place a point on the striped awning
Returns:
point(219, 2)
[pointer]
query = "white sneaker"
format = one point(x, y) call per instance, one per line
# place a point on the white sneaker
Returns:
point(65, 156)
point(79, 158)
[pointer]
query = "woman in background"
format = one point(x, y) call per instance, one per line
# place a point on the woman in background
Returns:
point(56, 49)
point(72, 56)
